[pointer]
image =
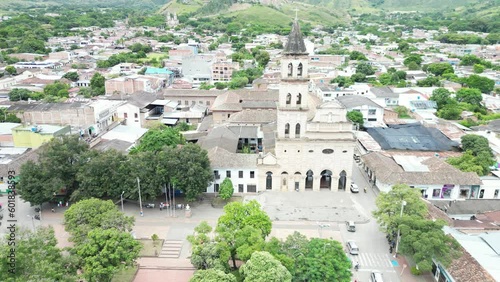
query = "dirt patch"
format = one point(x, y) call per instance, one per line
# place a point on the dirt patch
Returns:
point(239, 7)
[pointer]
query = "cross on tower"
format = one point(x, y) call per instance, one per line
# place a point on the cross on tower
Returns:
point(296, 10)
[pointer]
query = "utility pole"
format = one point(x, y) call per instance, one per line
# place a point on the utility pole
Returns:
point(403, 204)
point(173, 196)
point(166, 196)
point(121, 199)
point(140, 200)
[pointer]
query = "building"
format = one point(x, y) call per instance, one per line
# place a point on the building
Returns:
point(6, 139)
point(33, 136)
point(315, 143)
point(135, 83)
point(373, 114)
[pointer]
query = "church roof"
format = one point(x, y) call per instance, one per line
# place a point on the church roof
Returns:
point(295, 44)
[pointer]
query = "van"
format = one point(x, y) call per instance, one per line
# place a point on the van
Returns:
point(376, 276)
point(350, 226)
point(352, 247)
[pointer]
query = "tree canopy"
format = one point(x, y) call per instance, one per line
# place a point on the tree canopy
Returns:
point(226, 189)
point(212, 275)
point(156, 138)
point(263, 267)
point(356, 117)
point(87, 215)
point(484, 84)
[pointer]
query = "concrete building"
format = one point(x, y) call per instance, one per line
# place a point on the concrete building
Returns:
point(314, 142)
point(134, 83)
point(373, 114)
point(33, 136)
point(6, 139)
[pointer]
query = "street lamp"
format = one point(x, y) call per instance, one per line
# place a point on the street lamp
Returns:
point(403, 204)
point(140, 200)
point(121, 199)
point(321, 226)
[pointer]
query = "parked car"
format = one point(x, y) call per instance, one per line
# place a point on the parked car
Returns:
point(354, 188)
point(351, 227)
point(376, 276)
point(352, 247)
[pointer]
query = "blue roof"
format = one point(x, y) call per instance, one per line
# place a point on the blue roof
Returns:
point(157, 71)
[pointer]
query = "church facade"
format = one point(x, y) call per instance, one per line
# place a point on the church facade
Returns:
point(314, 141)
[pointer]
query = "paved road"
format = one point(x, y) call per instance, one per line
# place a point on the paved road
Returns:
point(373, 246)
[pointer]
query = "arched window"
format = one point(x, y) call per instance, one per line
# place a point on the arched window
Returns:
point(288, 98)
point(290, 69)
point(269, 180)
point(287, 129)
point(297, 130)
point(299, 99)
point(299, 70)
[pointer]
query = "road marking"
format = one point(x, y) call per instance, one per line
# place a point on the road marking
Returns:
point(372, 260)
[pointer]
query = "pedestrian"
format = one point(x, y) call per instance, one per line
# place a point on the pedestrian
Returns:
point(53, 210)
point(67, 203)
point(161, 206)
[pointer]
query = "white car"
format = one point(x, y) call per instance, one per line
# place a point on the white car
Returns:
point(354, 188)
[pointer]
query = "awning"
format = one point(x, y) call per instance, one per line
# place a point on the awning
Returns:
point(169, 121)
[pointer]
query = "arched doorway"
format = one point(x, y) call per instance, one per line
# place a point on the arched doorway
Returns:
point(326, 180)
point(296, 178)
point(342, 180)
point(309, 179)
point(269, 180)
point(284, 181)
point(297, 130)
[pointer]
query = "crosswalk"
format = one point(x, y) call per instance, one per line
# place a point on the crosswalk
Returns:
point(372, 260)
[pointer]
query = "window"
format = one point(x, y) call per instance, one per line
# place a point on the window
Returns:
point(179, 102)
point(481, 194)
point(251, 188)
point(297, 130)
point(216, 188)
point(228, 173)
point(208, 103)
point(228, 115)
point(288, 98)
point(125, 115)
point(136, 115)
point(240, 188)
point(186, 103)
point(290, 69)
point(372, 111)
point(216, 174)
point(252, 174)
point(240, 174)
point(299, 70)
point(328, 151)
point(495, 195)
point(269, 180)
point(299, 99)
point(287, 129)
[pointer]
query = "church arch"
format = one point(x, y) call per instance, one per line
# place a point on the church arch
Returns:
point(326, 180)
point(342, 180)
point(299, 99)
point(269, 180)
point(290, 69)
point(309, 179)
point(284, 180)
point(287, 130)
point(299, 70)
point(288, 99)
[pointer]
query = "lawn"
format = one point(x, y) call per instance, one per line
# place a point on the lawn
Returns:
point(220, 203)
point(148, 248)
point(125, 275)
point(179, 8)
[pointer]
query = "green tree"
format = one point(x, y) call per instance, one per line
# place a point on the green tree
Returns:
point(105, 251)
point(58, 163)
point(238, 82)
point(72, 75)
point(342, 81)
point(450, 112)
point(413, 58)
point(476, 144)
point(356, 117)
point(469, 95)
point(205, 252)
point(5, 116)
point(87, 215)
point(97, 84)
point(212, 275)
point(468, 163)
point(262, 58)
point(19, 94)
point(413, 66)
point(11, 70)
point(37, 258)
point(439, 69)
point(442, 97)
point(263, 267)
point(403, 46)
point(57, 89)
point(402, 111)
point(192, 172)
point(156, 138)
point(484, 84)
point(469, 60)
point(226, 189)
point(389, 206)
point(356, 55)
point(365, 69)
point(429, 82)
point(357, 77)
point(104, 175)
point(425, 241)
point(478, 68)
point(232, 227)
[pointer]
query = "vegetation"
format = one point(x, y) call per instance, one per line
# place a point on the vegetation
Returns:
point(356, 117)
point(226, 189)
point(478, 156)
point(421, 239)
point(262, 266)
point(8, 117)
point(156, 138)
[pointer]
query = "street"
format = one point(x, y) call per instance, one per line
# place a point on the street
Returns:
point(373, 246)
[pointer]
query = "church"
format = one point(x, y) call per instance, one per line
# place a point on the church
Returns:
point(293, 142)
point(314, 143)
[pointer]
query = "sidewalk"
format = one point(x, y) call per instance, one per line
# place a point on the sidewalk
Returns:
point(405, 272)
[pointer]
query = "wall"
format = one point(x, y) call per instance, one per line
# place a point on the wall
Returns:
point(246, 180)
point(79, 117)
point(130, 111)
point(27, 139)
